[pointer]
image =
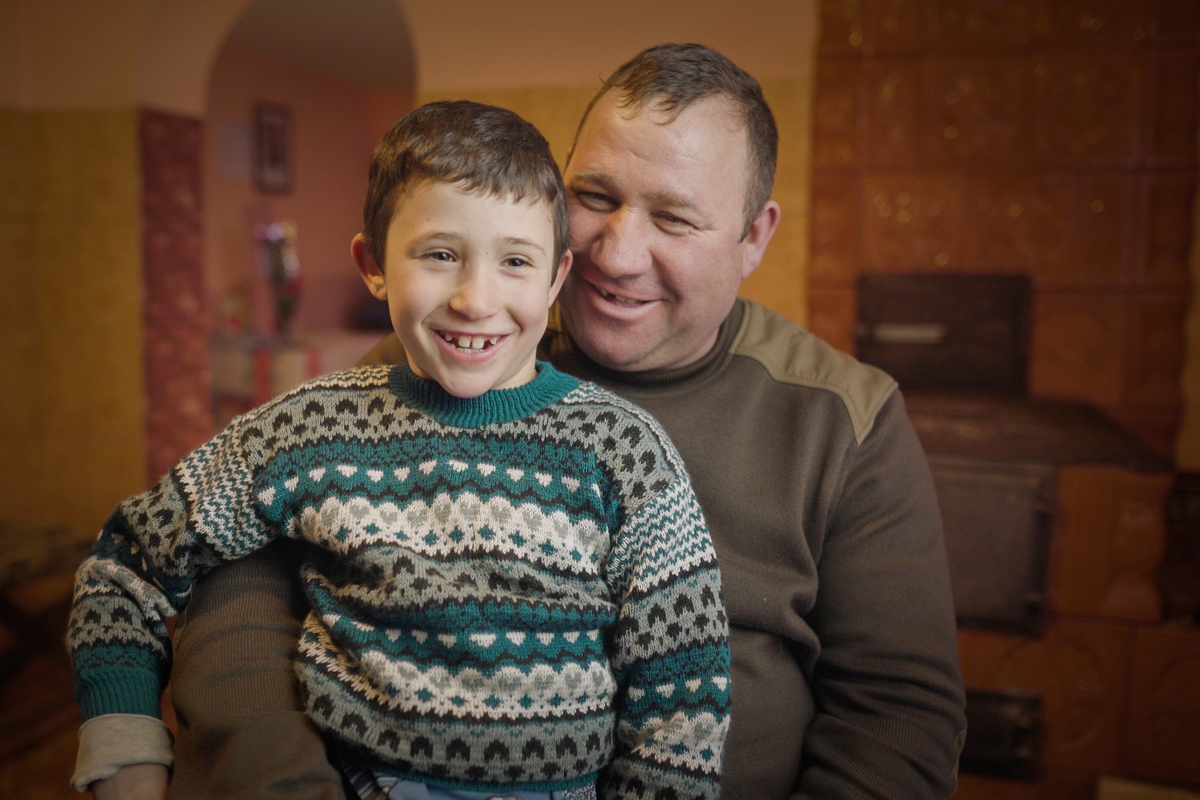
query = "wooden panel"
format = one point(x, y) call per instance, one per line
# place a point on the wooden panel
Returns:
point(1080, 669)
point(835, 116)
point(1077, 346)
point(977, 110)
point(835, 229)
point(1154, 358)
point(914, 223)
point(1062, 784)
point(1173, 108)
point(1018, 224)
point(1102, 216)
point(1109, 534)
point(831, 313)
point(978, 24)
point(1159, 429)
point(891, 91)
point(1088, 108)
point(1176, 22)
point(1165, 227)
point(841, 27)
point(892, 26)
point(1163, 739)
point(1094, 23)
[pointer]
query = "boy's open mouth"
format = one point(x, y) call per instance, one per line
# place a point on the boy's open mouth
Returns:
point(467, 342)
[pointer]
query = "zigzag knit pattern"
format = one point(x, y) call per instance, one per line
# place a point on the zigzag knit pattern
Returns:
point(516, 590)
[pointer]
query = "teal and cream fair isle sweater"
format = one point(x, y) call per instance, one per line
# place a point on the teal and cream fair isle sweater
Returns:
point(515, 590)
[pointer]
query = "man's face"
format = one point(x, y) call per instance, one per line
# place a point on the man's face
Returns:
point(468, 281)
point(657, 214)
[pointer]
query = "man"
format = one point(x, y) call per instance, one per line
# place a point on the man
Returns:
point(845, 674)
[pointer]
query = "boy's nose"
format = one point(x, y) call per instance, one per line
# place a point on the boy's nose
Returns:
point(475, 297)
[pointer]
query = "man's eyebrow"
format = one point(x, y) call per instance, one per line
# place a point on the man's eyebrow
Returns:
point(594, 177)
point(663, 199)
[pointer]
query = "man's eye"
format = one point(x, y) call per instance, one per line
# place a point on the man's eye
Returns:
point(595, 200)
point(672, 221)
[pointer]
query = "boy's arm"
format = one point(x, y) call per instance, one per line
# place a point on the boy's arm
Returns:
point(134, 782)
point(671, 652)
point(138, 574)
point(112, 743)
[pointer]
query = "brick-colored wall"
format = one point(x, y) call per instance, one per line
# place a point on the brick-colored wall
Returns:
point(1053, 138)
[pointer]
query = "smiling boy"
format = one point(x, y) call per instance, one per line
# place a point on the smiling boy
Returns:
point(513, 589)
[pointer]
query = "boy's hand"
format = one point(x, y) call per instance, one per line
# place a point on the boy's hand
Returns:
point(133, 782)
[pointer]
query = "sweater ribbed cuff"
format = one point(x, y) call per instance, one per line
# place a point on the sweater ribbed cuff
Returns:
point(117, 691)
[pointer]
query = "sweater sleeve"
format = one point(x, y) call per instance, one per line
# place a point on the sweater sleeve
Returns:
point(140, 572)
point(888, 688)
point(670, 653)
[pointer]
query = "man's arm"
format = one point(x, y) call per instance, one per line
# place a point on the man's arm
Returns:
point(887, 685)
point(242, 733)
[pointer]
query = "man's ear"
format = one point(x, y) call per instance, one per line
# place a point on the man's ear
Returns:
point(563, 268)
point(759, 236)
point(370, 271)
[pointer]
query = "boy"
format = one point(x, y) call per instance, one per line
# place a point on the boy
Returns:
point(513, 589)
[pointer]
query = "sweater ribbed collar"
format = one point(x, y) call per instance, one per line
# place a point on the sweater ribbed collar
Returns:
point(495, 406)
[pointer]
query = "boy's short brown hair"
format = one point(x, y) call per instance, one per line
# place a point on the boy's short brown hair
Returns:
point(479, 147)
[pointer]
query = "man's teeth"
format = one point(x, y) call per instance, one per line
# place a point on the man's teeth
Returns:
point(471, 342)
point(618, 299)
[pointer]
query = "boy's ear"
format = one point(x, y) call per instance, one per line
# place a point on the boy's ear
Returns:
point(563, 268)
point(371, 274)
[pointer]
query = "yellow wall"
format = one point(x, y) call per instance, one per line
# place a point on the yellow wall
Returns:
point(71, 418)
point(781, 280)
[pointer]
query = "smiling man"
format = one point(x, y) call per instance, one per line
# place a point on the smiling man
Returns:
point(846, 681)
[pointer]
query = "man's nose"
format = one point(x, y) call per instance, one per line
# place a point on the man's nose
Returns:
point(622, 248)
point(475, 295)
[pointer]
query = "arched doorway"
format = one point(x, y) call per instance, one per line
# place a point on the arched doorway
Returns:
point(306, 52)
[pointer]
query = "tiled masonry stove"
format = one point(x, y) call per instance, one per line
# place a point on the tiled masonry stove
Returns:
point(1054, 140)
point(1053, 519)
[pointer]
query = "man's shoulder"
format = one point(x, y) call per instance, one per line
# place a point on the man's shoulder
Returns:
point(794, 356)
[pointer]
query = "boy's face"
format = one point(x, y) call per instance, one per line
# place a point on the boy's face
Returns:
point(468, 281)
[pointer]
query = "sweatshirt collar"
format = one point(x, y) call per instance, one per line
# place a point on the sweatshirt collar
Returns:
point(708, 365)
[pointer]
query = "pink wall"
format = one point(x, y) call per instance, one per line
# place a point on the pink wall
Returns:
point(335, 128)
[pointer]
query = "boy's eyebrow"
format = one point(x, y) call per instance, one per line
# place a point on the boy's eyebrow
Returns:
point(521, 241)
point(512, 241)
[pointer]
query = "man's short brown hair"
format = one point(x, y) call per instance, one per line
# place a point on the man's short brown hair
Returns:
point(673, 76)
point(481, 148)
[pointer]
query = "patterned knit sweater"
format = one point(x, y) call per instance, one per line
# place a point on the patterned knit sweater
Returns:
point(515, 590)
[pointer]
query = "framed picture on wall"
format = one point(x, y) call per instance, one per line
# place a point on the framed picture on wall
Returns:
point(273, 155)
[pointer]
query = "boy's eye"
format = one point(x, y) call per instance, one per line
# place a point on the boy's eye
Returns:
point(517, 261)
point(440, 255)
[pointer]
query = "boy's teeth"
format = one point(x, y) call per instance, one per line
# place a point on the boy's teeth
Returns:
point(471, 342)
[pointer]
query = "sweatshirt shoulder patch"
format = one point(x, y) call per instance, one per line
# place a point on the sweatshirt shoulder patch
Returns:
point(792, 355)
